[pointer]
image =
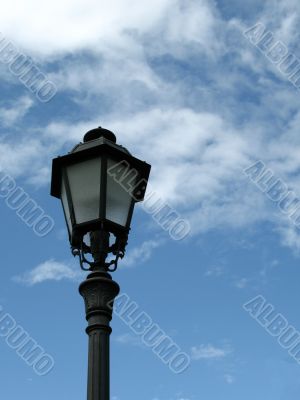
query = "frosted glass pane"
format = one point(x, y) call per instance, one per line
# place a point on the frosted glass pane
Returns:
point(84, 181)
point(119, 195)
point(66, 206)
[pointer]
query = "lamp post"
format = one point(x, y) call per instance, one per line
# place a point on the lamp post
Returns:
point(99, 183)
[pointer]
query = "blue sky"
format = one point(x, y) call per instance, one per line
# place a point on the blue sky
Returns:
point(184, 89)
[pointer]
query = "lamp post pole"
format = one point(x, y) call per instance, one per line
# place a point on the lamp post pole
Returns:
point(99, 182)
point(99, 292)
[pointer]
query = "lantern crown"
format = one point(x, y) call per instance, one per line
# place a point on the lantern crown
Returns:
point(98, 133)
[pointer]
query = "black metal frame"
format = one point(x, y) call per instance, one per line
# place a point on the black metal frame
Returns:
point(104, 151)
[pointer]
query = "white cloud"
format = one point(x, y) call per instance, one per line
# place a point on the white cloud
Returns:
point(290, 236)
point(175, 398)
point(229, 379)
point(129, 339)
point(26, 156)
point(241, 283)
point(140, 254)
point(195, 133)
point(209, 352)
point(50, 270)
point(80, 24)
point(13, 114)
point(215, 271)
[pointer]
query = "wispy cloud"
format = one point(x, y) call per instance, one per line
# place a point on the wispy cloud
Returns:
point(215, 271)
point(241, 283)
point(229, 379)
point(17, 110)
point(50, 270)
point(209, 352)
point(140, 254)
point(107, 23)
point(129, 339)
point(147, 102)
point(175, 398)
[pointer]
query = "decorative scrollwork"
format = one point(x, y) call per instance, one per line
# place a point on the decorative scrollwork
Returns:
point(117, 249)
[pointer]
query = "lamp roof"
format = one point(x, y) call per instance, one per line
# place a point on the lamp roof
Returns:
point(99, 132)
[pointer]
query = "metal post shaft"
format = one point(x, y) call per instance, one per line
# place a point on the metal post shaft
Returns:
point(99, 292)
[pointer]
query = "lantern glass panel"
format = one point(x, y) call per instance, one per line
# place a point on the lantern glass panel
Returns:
point(84, 182)
point(65, 203)
point(119, 193)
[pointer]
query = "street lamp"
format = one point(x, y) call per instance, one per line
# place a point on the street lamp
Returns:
point(99, 183)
